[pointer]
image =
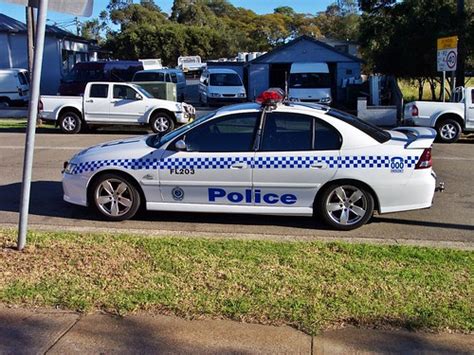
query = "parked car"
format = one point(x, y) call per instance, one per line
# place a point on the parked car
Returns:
point(449, 118)
point(310, 82)
point(221, 86)
point(270, 158)
point(175, 76)
point(14, 87)
point(106, 103)
point(84, 72)
point(191, 64)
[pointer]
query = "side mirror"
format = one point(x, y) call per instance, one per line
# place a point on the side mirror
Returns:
point(181, 146)
point(206, 82)
point(138, 97)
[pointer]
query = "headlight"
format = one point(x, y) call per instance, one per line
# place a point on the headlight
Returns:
point(214, 94)
point(325, 100)
point(242, 94)
point(69, 168)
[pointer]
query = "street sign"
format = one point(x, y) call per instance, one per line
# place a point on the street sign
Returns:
point(447, 53)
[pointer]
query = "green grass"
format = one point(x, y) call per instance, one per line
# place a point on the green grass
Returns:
point(13, 123)
point(310, 286)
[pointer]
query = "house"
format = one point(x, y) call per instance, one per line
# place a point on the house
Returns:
point(271, 69)
point(62, 50)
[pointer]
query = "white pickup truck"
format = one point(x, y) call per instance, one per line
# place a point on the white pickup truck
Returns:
point(106, 103)
point(449, 118)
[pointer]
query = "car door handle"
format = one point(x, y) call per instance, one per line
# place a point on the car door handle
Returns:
point(89, 101)
point(319, 166)
point(239, 166)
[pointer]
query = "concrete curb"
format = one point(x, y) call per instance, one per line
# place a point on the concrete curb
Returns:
point(60, 332)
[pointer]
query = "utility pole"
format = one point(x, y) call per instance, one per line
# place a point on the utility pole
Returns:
point(461, 15)
point(30, 25)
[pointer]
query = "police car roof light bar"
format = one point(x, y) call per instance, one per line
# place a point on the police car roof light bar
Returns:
point(271, 97)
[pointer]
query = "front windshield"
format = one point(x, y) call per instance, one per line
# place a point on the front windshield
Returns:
point(157, 140)
point(225, 80)
point(143, 91)
point(310, 81)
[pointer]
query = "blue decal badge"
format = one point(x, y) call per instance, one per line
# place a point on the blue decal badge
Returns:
point(178, 194)
point(397, 165)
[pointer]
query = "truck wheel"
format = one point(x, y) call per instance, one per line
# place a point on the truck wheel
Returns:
point(449, 130)
point(345, 206)
point(114, 197)
point(161, 123)
point(70, 123)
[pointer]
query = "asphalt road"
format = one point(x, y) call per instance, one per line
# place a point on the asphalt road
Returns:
point(451, 219)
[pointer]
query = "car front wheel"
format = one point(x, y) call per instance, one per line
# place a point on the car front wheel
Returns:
point(115, 197)
point(161, 123)
point(345, 206)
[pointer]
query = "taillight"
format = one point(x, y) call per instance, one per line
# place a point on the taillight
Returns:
point(425, 160)
point(414, 110)
point(40, 105)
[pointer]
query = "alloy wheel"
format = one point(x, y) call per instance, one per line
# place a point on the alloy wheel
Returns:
point(114, 197)
point(346, 205)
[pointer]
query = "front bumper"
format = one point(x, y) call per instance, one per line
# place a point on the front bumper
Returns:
point(75, 189)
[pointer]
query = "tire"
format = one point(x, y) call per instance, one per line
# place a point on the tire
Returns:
point(161, 123)
point(114, 197)
point(345, 206)
point(4, 103)
point(70, 123)
point(449, 130)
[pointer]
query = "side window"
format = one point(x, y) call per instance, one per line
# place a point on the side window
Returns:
point(99, 91)
point(22, 79)
point(326, 137)
point(160, 77)
point(234, 133)
point(174, 78)
point(472, 96)
point(124, 92)
point(287, 132)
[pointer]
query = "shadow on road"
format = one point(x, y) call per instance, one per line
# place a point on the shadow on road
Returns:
point(47, 201)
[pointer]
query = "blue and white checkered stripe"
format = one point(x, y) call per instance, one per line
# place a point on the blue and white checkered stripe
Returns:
point(268, 162)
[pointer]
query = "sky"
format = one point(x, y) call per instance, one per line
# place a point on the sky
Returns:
point(259, 6)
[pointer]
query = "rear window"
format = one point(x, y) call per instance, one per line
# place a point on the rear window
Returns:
point(149, 77)
point(376, 133)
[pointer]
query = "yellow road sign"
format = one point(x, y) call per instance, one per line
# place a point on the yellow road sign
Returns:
point(447, 42)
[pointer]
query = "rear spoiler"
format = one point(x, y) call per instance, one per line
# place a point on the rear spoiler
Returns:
point(418, 137)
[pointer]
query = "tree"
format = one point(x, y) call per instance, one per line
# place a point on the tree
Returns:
point(400, 39)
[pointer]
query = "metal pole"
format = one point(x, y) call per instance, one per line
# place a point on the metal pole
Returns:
point(31, 124)
point(462, 28)
point(443, 87)
point(30, 24)
point(453, 85)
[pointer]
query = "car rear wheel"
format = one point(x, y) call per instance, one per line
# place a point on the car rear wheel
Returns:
point(449, 130)
point(70, 123)
point(115, 197)
point(345, 206)
point(161, 123)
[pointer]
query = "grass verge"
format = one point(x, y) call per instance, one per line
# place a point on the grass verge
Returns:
point(311, 286)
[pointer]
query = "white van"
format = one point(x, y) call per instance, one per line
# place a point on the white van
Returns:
point(221, 86)
point(14, 87)
point(310, 82)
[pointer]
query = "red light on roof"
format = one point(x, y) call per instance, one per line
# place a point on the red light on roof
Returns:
point(270, 97)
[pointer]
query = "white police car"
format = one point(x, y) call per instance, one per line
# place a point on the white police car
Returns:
point(271, 157)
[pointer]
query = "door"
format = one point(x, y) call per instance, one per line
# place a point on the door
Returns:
point(470, 108)
point(126, 105)
point(96, 104)
point(297, 155)
point(216, 167)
